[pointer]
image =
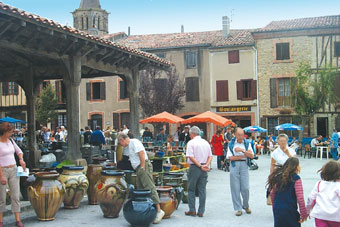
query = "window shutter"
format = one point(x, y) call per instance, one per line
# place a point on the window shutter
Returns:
point(57, 90)
point(234, 56)
point(222, 93)
point(292, 96)
point(116, 121)
point(239, 90)
point(254, 89)
point(263, 122)
point(273, 93)
point(88, 91)
point(123, 90)
point(102, 91)
point(192, 89)
point(4, 88)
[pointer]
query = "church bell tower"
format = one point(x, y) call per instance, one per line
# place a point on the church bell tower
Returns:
point(91, 18)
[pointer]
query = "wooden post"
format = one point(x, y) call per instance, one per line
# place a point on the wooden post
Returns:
point(29, 85)
point(133, 90)
point(72, 80)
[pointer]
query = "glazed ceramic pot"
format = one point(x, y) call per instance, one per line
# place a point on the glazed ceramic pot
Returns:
point(178, 189)
point(134, 180)
point(185, 191)
point(168, 200)
point(111, 192)
point(140, 210)
point(76, 185)
point(46, 195)
point(93, 175)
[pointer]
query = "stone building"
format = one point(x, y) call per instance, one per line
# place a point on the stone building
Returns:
point(281, 47)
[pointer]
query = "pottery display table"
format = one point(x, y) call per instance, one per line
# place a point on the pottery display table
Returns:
point(158, 162)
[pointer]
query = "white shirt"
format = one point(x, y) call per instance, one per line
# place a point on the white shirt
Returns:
point(135, 146)
point(240, 145)
point(281, 157)
point(327, 197)
point(314, 142)
point(199, 149)
point(126, 131)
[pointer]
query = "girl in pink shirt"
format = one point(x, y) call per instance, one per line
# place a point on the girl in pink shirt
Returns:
point(323, 203)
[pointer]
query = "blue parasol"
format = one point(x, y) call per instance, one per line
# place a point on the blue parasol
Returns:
point(11, 120)
point(254, 129)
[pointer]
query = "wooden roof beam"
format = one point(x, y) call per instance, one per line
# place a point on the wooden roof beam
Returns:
point(4, 28)
point(72, 44)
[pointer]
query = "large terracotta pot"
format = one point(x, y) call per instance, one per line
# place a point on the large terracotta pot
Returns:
point(93, 175)
point(140, 210)
point(168, 200)
point(178, 189)
point(76, 185)
point(111, 192)
point(46, 195)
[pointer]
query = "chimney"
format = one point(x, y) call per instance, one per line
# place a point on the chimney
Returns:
point(182, 28)
point(129, 31)
point(225, 26)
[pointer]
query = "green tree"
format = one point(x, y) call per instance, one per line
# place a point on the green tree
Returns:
point(313, 90)
point(46, 105)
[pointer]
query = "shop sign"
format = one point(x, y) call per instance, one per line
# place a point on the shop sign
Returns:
point(233, 109)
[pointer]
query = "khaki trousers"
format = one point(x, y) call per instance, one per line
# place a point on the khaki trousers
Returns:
point(13, 182)
point(145, 181)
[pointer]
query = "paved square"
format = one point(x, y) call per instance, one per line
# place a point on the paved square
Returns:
point(219, 210)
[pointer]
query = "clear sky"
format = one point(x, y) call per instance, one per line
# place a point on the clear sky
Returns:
point(167, 16)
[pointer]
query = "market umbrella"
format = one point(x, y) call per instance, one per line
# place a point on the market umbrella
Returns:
point(208, 117)
point(288, 127)
point(254, 129)
point(11, 120)
point(164, 117)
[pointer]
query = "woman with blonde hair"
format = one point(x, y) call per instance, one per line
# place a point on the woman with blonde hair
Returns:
point(8, 172)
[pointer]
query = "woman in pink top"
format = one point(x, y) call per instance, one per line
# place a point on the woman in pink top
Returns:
point(8, 172)
point(324, 200)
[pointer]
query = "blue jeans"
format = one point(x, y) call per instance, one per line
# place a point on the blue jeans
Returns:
point(334, 153)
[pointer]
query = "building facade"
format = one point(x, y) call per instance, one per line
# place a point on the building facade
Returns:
point(281, 47)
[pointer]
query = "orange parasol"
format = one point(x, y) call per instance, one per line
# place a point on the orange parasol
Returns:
point(164, 117)
point(209, 117)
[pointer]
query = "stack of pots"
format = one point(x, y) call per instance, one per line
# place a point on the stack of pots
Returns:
point(175, 180)
point(76, 185)
point(46, 195)
point(111, 192)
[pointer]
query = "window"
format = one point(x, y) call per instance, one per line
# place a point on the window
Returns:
point(62, 120)
point(191, 59)
point(272, 122)
point(337, 49)
point(95, 91)
point(282, 51)
point(123, 94)
point(234, 56)
point(192, 89)
point(280, 92)
point(10, 88)
point(284, 93)
point(161, 54)
point(222, 93)
point(60, 90)
point(246, 89)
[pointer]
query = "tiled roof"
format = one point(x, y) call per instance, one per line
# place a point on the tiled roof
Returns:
point(55, 25)
point(303, 23)
point(113, 35)
point(175, 40)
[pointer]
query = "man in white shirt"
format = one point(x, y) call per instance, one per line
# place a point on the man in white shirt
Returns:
point(239, 175)
point(199, 157)
point(125, 129)
point(140, 163)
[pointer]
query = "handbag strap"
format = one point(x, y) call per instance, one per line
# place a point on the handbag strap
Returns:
point(319, 186)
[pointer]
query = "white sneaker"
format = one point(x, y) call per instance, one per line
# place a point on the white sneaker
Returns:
point(159, 217)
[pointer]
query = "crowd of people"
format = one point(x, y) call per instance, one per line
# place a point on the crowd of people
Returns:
point(284, 185)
